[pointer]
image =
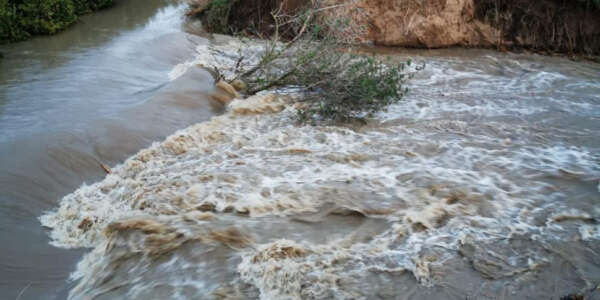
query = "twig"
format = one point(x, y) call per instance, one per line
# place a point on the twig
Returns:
point(301, 32)
point(273, 83)
point(23, 291)
point(239, 62)
point(331, 7)
point(106, 168)
point(265, 61)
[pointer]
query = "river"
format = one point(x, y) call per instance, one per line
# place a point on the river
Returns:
point(483, 183)
point(96, 93)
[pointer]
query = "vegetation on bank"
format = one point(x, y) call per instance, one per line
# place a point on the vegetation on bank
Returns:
point(590, 4)
point(553, 26)
point(304, 51)
point(570, 27)
point(21, 19)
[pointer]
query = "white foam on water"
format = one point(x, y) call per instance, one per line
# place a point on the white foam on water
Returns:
point(167, 20)
point(223, 55)
point(261, 164)
point(440, 170)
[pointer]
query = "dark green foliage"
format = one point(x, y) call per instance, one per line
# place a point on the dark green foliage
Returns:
point(20, 19)
point(253, 17)
point(338, 86)
point(45, 17)
point(216, 15)
point(350, 88)
point(10, 28)
point(368, 86)
point(87, 6)
point(591, 3)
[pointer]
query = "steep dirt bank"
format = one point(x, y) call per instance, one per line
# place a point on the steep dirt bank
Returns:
point(545, 25)
point(557, 26)
point(428, 24)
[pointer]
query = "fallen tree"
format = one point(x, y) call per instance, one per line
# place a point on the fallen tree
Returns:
point(304, 52)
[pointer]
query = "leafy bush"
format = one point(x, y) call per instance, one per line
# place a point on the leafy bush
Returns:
point(10, 29)
point(591, 3)
point(337, 86)
point(217, 15)
point(363, 85)
point(87, 6)
point(45, 17)
point(20, 19)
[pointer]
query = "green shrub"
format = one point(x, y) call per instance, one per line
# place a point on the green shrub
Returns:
point(217, 15)
point(87, 6)
point(336, 86)
point(340, 86)
point(362, 87)
point(591, 3)
point(20, 19)
point(45, 17)
point(10, 28)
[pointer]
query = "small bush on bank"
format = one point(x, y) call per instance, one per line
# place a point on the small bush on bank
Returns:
point(21, 19)
point(249, 16)
point(88, 6)
point(591, 3)
point(217, 17)
point(10, 29)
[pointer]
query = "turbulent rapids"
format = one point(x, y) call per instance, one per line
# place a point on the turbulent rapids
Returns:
point(482, 183)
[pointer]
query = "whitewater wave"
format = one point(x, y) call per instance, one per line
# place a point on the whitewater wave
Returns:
point(252, 205)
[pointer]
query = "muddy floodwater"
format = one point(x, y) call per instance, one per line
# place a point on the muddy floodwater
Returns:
point(96, 93)
point(482, 183)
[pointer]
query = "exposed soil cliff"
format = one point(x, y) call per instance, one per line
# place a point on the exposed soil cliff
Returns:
point(427, 23)
point(548, 25)
point(553, 25)
point(566, 26)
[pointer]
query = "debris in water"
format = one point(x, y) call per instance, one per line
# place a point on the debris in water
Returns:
point(106, 168)
point(227, 88)
point(85, 224)
point(572, 297)
point(570, 174)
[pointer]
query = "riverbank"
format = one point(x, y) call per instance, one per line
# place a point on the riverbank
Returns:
point(20, 20)
point(547, 26)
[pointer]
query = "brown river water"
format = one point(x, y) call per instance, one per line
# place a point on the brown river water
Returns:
point(483, 183)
